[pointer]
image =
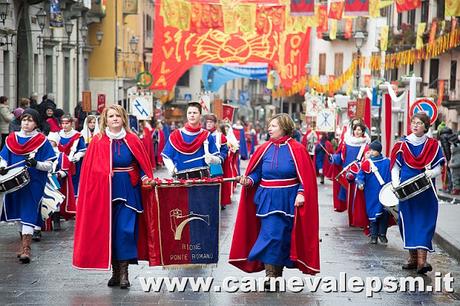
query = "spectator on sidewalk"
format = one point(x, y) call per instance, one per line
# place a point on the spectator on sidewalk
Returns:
point(444, 137)
point(454, 166)
point(5, 118)
point(15, 125)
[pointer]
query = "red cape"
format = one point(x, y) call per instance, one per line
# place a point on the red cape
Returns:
point(68, 146)
point(93, 234)
point(426, 157)
point(180, 145)
point(161, 145)
point(68, 208)
point(305, 234)
point(24, 149)
point(147, 141)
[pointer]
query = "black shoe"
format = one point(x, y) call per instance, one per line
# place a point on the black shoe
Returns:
point(37, 236)
point(373, 240)
point(222, 207)
point(426, 268)
point(383, 239)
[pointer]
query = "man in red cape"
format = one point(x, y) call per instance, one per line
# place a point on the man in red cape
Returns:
point(93, 234)
point(305, 233)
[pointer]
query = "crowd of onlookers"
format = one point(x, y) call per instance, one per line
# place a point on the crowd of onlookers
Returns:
point(450, 144)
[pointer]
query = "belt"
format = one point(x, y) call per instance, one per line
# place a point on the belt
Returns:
point(122, 169)
point(279, 183)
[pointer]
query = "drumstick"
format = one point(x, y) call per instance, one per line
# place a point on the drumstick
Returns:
point(15, 165)
point(194, 182)
point(325, 149)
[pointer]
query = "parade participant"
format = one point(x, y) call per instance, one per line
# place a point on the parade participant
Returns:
point(349, 155)
point(233, 152)
point(159, 141)
point(146, 136)
point(238, 131)
point(412, 155)
point(90, 128)
point(23, 205)
point(221, 144)
point(374, 173)
point(310, 140)
point(189, 150)
point(116, 219)
point(52, 121)
point(277, 220)
point(323, 150)
point(64, 170)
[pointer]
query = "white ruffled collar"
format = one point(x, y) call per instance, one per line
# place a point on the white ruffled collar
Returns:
point(119, 135)
point(356, 141)
point(24, 134)
point(415, 140)
point(69, 134)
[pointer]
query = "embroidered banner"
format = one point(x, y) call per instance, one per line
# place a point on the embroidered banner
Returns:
point(357, 7)
point(336, 9)
point(302, 7)
point(407, 5)
point(189, 224)
point(189, 33)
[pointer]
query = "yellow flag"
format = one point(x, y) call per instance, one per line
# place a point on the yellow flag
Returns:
point(384, 38)
point(385, 3)
point(420, 30)
point(374, 8)
point(247, 18)
point(452, 8)
point(333, 29)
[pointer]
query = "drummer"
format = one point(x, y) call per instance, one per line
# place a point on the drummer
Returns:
point(23, 205)
point(374, 173)
point(190, 150)
point(411, 156)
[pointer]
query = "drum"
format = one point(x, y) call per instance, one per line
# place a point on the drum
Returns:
point(15, 179)
point(412, 187)
point(389, 200)
point(193, 173)
point(52, 199)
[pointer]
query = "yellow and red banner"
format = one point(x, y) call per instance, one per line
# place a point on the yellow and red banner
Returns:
point(407, 5)
point(357, 7)
point(189, 33)
point(348, 28)
point(336, 9)
point(419, 40)
point(302, 7)
point(322, 20)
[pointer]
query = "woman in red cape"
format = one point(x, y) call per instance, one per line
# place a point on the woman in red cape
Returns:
point(292, 211)
point(112, 203)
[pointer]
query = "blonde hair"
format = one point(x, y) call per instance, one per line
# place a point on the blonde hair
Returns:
point(285, 122)
point(121, 111)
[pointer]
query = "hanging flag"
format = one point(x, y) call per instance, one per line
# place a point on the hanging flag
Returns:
point(374, 8)
point(452, 8)
point(384, 38)
point(228, 112)
point(357, 7)
point(420, 30)
point(348, 28)
point(302, 7)
point(333, 29)
point(385, 3)
point(433, 32)
point(322, 21)
point(441, 91)
point(56, 16)
point(336, 9)
point(407, 5)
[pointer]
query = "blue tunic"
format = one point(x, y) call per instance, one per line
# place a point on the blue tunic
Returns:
point(179, 158)
point(223, 150)
point(417, 215)
point(372, 187)
point(126, 201)
point(24, 204)
point(319, 155)
point(81, 147)
point(275, 207)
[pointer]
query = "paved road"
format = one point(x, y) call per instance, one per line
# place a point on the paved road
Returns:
point(50, 280)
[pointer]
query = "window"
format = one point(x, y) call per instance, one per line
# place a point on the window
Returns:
point(338, 64)
point(411, 18)
point(184, 79)
point(49, 73)
point(440, 9)
point(66, 83)
point(399, 20)
point(6, 73)
point(322, 64)
point(434, 73)
point(425, 10)
point(453, 75)
point(36, 75)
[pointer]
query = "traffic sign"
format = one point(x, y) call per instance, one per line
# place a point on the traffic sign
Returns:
point(427, 106)
point(141, 106)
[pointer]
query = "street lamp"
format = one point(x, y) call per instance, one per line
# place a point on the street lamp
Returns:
point(133, 43)
point(99, 36)
point(41, 19)
point(84, 32)
point(359, 41)
point(4, 9)
point(68, 26)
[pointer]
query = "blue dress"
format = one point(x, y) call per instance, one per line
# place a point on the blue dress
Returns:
point(418, 215)
point(24, 204)
point(275, 206)
point(81, 147)
point(179, 158)
point(126, 204)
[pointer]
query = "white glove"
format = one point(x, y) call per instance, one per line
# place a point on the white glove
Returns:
point(61, 174)
point(210, 159)
point(395, 179)
point(299, 200)
point(429, 173)
point(169, 165)
point(76, 158)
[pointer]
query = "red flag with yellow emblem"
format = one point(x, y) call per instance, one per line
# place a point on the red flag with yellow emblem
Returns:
point(357, 7)
point(336, 9)
point(407, 5)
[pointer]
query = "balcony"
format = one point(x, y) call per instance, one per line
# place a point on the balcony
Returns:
point(401, 39)
point(359, 25)
point(451, 98)
point(97, 11)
